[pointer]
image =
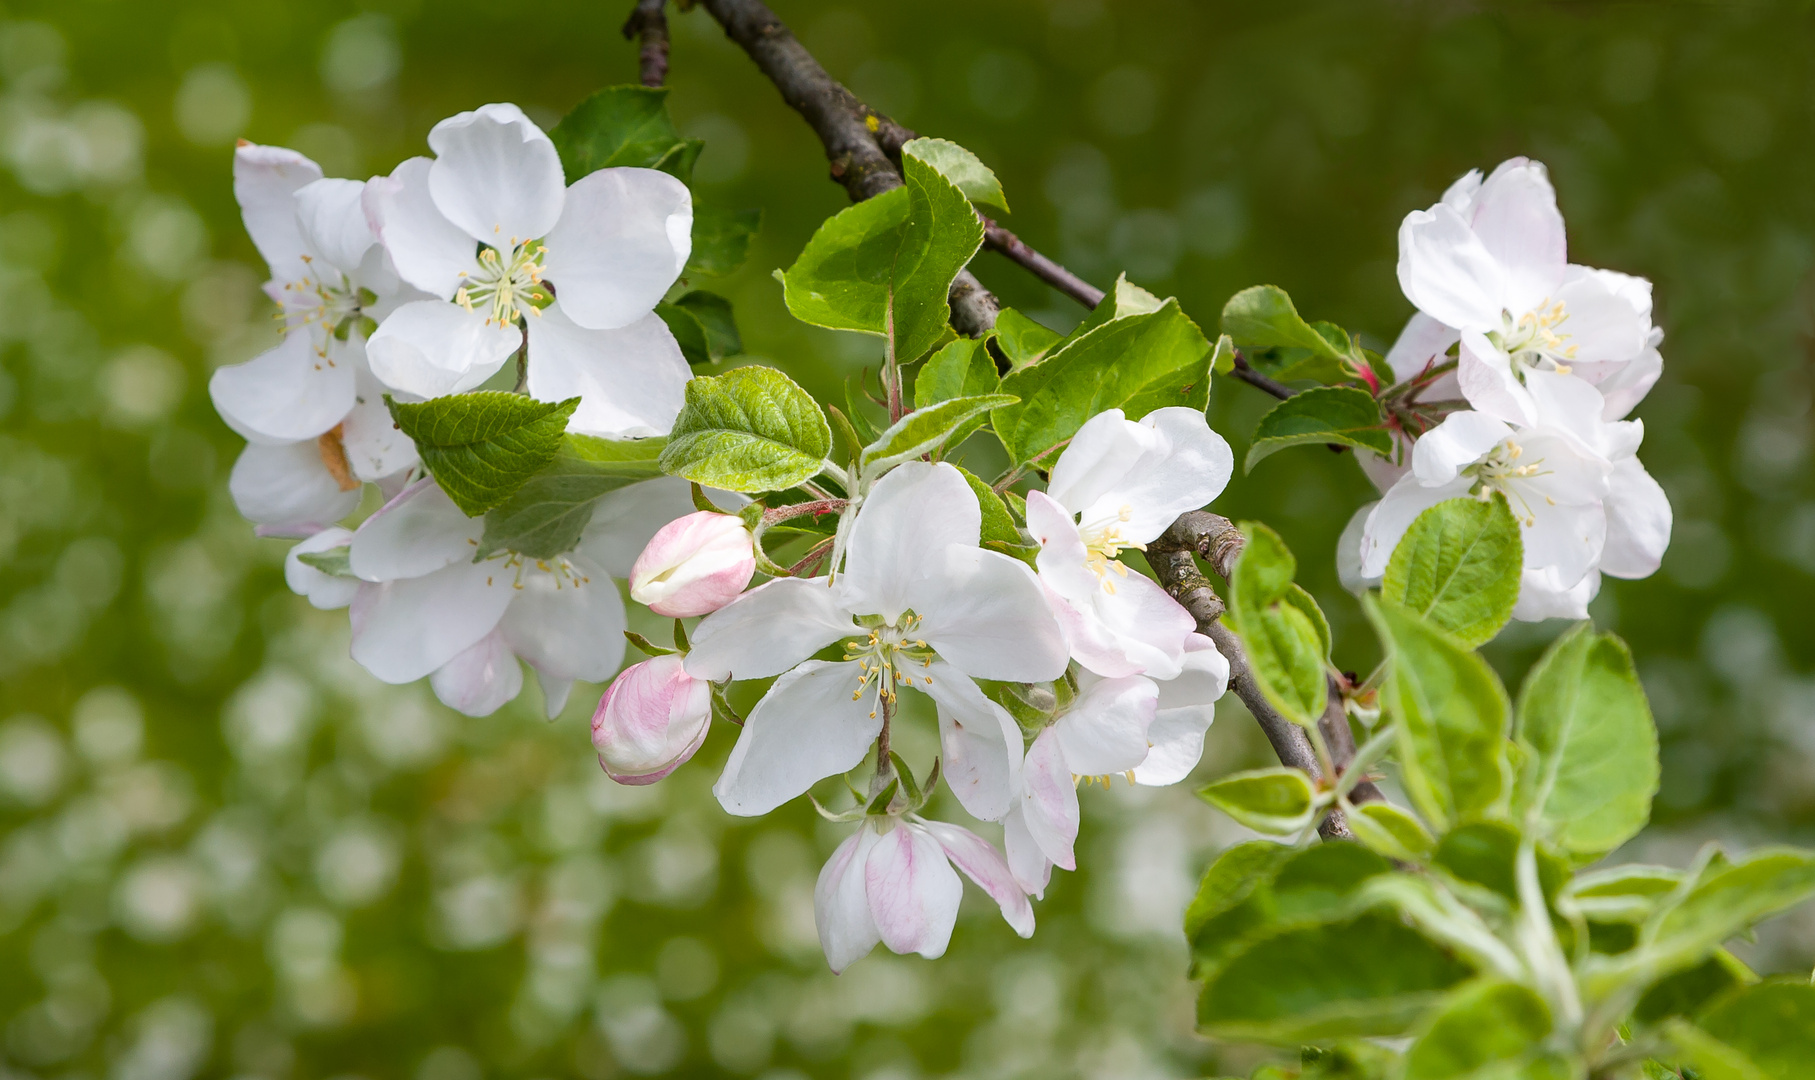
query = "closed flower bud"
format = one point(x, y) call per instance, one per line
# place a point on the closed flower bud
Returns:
point(652, 718)
point(694, 565)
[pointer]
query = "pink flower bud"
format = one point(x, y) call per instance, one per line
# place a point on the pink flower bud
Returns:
point(694, 565)
point(653, 717)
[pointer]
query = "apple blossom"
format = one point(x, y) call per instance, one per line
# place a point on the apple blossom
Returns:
point(1118, 485)
point(515, 257)
point(323, 590)
point(694, 565)
point(918, 603)
point(653, 717)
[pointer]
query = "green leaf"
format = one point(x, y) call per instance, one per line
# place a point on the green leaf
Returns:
point(1478, 1025)
point(925, 430)
point(1137, 363)
point(549, 512)
point(1367, 976)
point(1484, 853)
point(623, 125)
point(998, 526)
point(1392, 832)
point(1228, 881)
point(1297, 597)
point(1222, 362)
point(1023, 340)
point(964, 169)
point(703, 325)
point(1278, 801)
point(1772, 1024)
point(961, 369)
point(1715, 1060)
point(1263, 317)
point(1628, 893)
point(1124, 299)
point(482, 447)
point(1688, 991)
point(750, 429)
point(1285, 645)
point(1591, 763)
point(721, 239)
point(1326, 414)
point(335, 562)
point(1451, 713)
point(1459, 567)
point(1254, 886)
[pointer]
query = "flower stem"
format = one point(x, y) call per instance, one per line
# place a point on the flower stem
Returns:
point(885, 765)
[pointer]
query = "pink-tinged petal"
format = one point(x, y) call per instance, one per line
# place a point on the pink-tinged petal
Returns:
point(431, 349)
point(631, 381)
point(653, 717)
point(986, 615)
point(265, 181)
point(623, 237)
point(1184, 466)
point(1031, 868)
point(332, 217)
point(376, 447)
point(768, 630)
point(1515, 215)
point(429, 251)
point(288, 489)
point(1186, 710)
point(901, 534)
point(694, 565)
point(914, 893)
point(841, 904)
point(624, 521)
point(293, 391)
point(324, 591)
point(567, 623)
point(1638, 522)
point(806, 728)
point(1105, 731)
point(416, 533)
point(496, 175)
point(1628, 384)
point(1049, 800)
point(1424, 343)
point(1447, 273)
point(979, 743)
point(1461, 440)
point(1542, 596)
point(1485, 376)
point(983, 864)
point(1394, 514)
point(1608, 315)
point(1348, 551)
point(1136, 629)
point(1460, 196)
point(403, 630)
point(1098, 459)
point(481, 680)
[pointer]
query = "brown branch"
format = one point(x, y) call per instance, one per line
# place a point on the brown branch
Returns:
point(996, 238)
point(1253, 378)
point(649, 24)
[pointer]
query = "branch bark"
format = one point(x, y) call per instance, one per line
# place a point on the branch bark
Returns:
point(649, 24)
point(996, 238)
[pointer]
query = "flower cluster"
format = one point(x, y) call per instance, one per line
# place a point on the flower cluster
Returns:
point(1549, 358)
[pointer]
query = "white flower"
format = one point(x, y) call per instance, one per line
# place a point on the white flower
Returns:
point(323, 590)
point(893, 882)
point(1490, 261)
point(429, 609)
point(1119, 485)
point(489, 227)
point(918, 603)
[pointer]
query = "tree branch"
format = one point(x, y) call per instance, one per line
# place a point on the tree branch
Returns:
point(996, 238)
point(1255, 379)
point(649, 24)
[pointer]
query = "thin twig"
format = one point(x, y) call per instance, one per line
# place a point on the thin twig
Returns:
point(649, 25)
point(996, 238)
point(1247, 374)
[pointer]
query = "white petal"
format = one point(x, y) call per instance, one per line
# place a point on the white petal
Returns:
point(1460, 195)
point(1098, 458)
point(623, 238)
point(429, 251)
point(376, 447)
point(1049, 801)
point(1186, 467)
point(286, 393)
point(985, 614)
point(1625, 387)
point(1178, 744)
point(1461, 440)
point(624, 521)
point(841, 905)
point(288, 488)
point(325, 591)
point(1446, 272)
point(1394, 514)
point(901, 534)
point(265, 181)
point(1348, 550)
point(555, 691)
point(1567, 539)
point(979, 742)
point(806, 728)
point(1031, 868)
point(1423, 343)
point(630, 381)
point(481, 680)
point(1205, 677)
point(568, 625)
point(1485, 376)
point(1515, 215)
point(431, 348)
point(1136, 629)
point(1638, 522)
point(983, 864)
point(405, 629)
point(914, 893)
point(1604, 324)
point(1541, 596)
point(416, 533)
point(496, 175)
point(332, 216)
point(1566, 471)
point(1105, 731)
point(768, 630)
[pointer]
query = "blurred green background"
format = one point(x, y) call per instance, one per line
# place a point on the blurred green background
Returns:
point(227, 851)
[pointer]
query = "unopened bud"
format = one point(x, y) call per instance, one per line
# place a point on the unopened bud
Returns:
point(694, 565)
point(653, 717)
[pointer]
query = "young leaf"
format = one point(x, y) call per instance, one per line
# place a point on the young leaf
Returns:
point(1235, 874)
point(925, 430)
point(963, 168)
point(1258, 885)
point(750, 429)
point(943, 233)
point(721, 239)
point(335, 562)
point(1263, 317)
point(623, 125)
point(1711, 1058)
point(702, 324)
point(1478, 1025)
point(1451, 711)
point(549, 512)
point(1772, 1024)
point(1628, 893)
point(1285, 646)
point(961, 369)
point(1458, 566)
point(482, 447)
point(1591, 765)
point(1485, 853)
point(998, 526)
point(1691, 990)
point(1392, 831)
point(1023, 340)
point(1342, 415)
point(1123, 300)
point(1277, 801)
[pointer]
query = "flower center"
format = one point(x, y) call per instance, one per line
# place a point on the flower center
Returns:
point(1499, 470)
point(1534, 340)
point(1103, 541)
point(506, 285)
point(887, 656)
point(324, 297)
point(565, 573)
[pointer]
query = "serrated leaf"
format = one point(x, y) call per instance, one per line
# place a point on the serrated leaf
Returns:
point(964, 169)
point(750, 429)
point(1392, 831)
point(1286, 646)
point(1277, 801)
point(1480, 1024)
point(482, 447)
point(1591, 766)
point(1322, 415)
point(998, 526)
point(550, 511)
point(623, 126)
point(1264, 318)
point(925, 430)
point(1459, 567)
point(335, 562)
point(964, 368)
point(721, 239)
point(1451, 713)
point(1222, 361)
point(1023, 340)
point(703, 326)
